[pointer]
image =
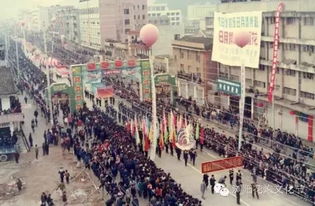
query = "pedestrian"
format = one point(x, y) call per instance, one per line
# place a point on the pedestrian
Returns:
point(231, 176)
point(30, 140)
point(178, 152)
point(212, 183)
point(255, 190)
point(33, 125)
point(238, 193)
point(186, 157)
point(67, 175)
point(254, 176)
point(17, 157)
point(44, 148)
point(206, 179)
point(43, 198)
point(203, 189)
point(61, 174)
point(64, 196)
point(171, 149)
point(36, 151)
point(194, 155)
point(19, 184)
point(239, 177)
point(222, 180)
point(25, 100)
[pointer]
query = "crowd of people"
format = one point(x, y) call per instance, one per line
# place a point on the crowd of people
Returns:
point(290, 171)
point(114, 152)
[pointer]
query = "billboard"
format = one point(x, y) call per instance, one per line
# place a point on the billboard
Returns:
point(236, 38)
point(146, 80)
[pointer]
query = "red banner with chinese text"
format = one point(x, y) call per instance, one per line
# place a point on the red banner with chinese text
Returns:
point(275, 52)
point(223, 164)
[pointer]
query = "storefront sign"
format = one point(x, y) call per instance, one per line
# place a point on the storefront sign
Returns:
point(229, 87)
point(78, 85)
point(237, 38)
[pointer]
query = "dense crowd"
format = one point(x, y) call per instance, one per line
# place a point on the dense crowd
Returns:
point(114, 152)
point(291, 172)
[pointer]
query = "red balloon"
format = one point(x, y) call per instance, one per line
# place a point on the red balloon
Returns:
point(104, 65)
point(118, 63)
point(91, 66)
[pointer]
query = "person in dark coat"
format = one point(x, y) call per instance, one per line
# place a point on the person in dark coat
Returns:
point(212, 183)
point(30, 140)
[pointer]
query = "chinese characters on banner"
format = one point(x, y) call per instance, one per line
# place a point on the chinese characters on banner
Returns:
point(275, 52)
point(223, 164)
point(237, 38)
point(77, 86)
point(146, 80)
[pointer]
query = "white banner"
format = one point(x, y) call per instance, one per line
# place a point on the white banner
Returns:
point(237, 37)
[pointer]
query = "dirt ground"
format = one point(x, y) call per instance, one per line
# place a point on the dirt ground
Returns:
point(42, 176)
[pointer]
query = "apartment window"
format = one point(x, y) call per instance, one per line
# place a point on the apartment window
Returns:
point(262, 67)
point(272, 20)
point(308, 49)
point(143, 16)
point(197, 57)
point(290, 20)
point(289, 91)
point(126, 11)
point(307, 95)
point(177, 13)
point(292, 47)
point(308, 75)
point(308, 21)
point(177, 18)
point(127, 21)
point(127, 31)
point(134, 17)
point(182, 67)
point(259, 84)
point(182, 55)
point(290, 72)
point(167, 14)
point(143, 7)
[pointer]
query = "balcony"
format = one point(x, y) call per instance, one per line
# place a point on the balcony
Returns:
point(189, 77)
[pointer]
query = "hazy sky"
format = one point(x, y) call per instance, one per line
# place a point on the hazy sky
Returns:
point(10, 8)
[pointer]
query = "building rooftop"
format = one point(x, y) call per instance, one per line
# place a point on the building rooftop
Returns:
point(207, 42)
point(7, 85)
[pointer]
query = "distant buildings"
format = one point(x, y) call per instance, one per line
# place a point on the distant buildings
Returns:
point(160, 14)
point(111, 20)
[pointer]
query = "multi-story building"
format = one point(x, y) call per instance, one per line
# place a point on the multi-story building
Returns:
point(294, 85)
point(160, 14)
point(68, 24)
point(90, 29)
point(110, 20)
point(196, 73)
point(30, 19)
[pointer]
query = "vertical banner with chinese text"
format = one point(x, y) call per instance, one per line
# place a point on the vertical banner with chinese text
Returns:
point(146, 80)
point(77, 86)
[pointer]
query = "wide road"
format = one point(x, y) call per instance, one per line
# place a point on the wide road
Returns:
point(190, 178)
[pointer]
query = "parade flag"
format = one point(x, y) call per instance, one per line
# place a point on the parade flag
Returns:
point(186, 123)
point(197, 131)
point(165, 127)
point(131, 127)
point(161, 142)
point(137, 131)
point(202, 135)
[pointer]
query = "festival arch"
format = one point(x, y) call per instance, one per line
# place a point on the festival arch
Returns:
point(62, 93)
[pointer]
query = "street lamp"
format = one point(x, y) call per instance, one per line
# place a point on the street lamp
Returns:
point(149, 35)
point(48, 80)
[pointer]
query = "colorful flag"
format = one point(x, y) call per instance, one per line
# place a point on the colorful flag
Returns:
point(197, 131)
point(165, 127)
point(137, 131)
point(161, 142)
point(202, 135)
